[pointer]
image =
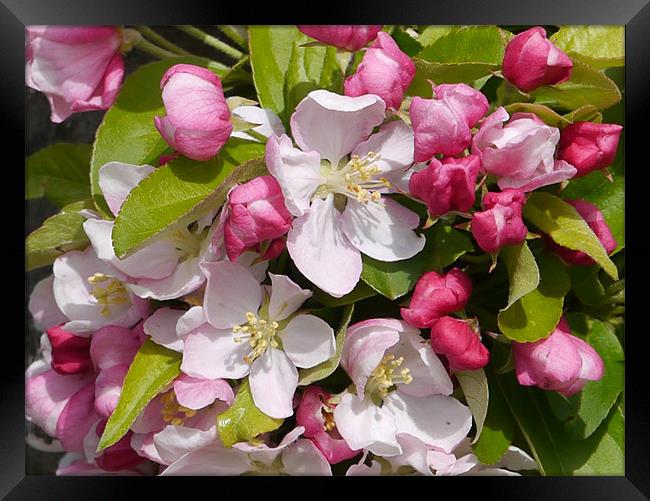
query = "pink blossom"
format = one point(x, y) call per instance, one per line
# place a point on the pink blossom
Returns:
point(447, 185)
point(594, 218)
point(501, 222)
point(78, 68)
point(316, 414)
point(257, 214)
point(349, 37)
point(437, 295)
point(197, 123)
point(443, 124)
point(458, 341)
point(589, 146)
point(532, 60)
point(384, 71)
point(520, 153)
point(70, 353)
point(561, 362)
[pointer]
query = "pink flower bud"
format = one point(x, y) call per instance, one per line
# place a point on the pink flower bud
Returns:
point(561, 362)
point(78, 68)
point(437, 295)
point(500, 223)
point(316, 414)
point(350, 37)
point(120, 456)
point(462, 346)
point(532, 60)
point(447, 185)
point(70, 353)
point(594, 218)
point(589, 146)
point(384, 71)
point(197, 123)
point(256, 214)
point(443, 124)
point(522, 152)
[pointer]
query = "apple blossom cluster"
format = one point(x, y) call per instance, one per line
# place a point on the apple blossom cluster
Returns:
point(260, 298)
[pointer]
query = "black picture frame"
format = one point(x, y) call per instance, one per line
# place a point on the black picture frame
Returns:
point(634, 14)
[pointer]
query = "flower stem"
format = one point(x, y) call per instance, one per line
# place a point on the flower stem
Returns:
point(232, 33)
point(154, 50)
point(162, 41)
point(211, 41)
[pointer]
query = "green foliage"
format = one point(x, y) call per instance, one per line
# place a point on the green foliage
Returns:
point(445, 244)
point(59, 234)
point(477, 395)
point(152, 369)
point(182, 191)
point(324, 369)
point(127, 133)
point(243, 421)
point(60, 173)
point(523, 273)
point(536, 314)
point(566, 227)
point(600, 46)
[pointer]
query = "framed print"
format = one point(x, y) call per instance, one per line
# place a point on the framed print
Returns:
point(255, 248)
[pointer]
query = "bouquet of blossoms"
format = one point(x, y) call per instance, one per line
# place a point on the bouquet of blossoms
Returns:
point(350, 250)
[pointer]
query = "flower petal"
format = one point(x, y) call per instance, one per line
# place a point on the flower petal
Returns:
point(117, 179)
point(214, 459)
point(286, 297)
point(173, 442)
point(230, 293)
point(196, 393)
point(332, 124)
point(322, 252)
point(308, 340)
point(303, 458)
point(297, 172)
point(211, 353)
point(393, 143)
point(161, 326)
point(186, 278)
point(273, 380)
point(43, 308)
point(382, 230)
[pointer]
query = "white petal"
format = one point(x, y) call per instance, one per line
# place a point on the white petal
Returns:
point(332, 124)
point(414, 453)
point(161, 326)
point(364, 425)
point(42, 306)
point(258, 270)
point(186, 278)
point(175, 441)
point(117, 179)
point(437, 420)
point(322, 252)
point(308, 340)
point(230, 293)
point(213, 353)
point(382, 230)
point(303, 458)
point(269, 122)
point(393, 142)
point(190, 320)
point(273, 381)
point(297, 172)
point(214, 459)
point(157, 260)
point(516, 459)
point(286, 297)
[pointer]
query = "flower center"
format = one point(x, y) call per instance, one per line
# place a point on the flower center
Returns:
point(185, 241)
point(327, 412)
point(385, 376)
point(357, 179)
point(173, 412)
point(108, 291)
point(260, 334)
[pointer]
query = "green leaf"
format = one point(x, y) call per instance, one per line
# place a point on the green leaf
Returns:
point(407, 44)
point(607, 196)
point(182, 191)
point(600, 46)
point(152, 369)
point(586, 284)
point(60, 173)
point(393, 279)
point(59, 234)
point(553, 449)
point(586, 113)
point(499, 427)
point(324, 369)
point(523, 273)
point(546, 114)
point(583, 412)
point(243, 421)
point(463, 55)
point(445, 244)
point(477, 395)
point(310, 68)
point(432, 33)
point(360, 291)
point(566, 227)
point(535, 315)
point(586, 86)
point(127, 133)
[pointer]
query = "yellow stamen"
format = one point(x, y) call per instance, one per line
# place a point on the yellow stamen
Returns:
point(173, 412)
point(383, 378)
point(108, 291)
point(260, 335)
